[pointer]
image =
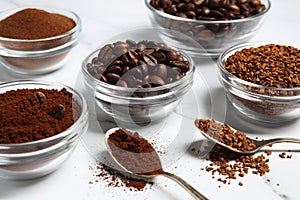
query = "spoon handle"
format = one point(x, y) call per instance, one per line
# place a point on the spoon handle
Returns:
point(279, 140)
point(197, 195)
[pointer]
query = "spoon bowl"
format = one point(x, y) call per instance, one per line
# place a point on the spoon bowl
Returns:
point(150, 174)
point(259, 144)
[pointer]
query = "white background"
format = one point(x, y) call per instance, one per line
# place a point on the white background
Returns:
point(103, 19)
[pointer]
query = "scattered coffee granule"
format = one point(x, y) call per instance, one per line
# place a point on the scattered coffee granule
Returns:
point(227, 163)
point(284, 155)
point(115, 178)
point(268, 152)
point(28, 115)
point(269, 65)
point(224, 134)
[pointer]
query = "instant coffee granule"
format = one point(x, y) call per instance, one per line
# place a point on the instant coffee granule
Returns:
point(32, 23)
point(230, 164)
point(269, 65)
point(276, 68)
point(28, 115)
point(224, 134)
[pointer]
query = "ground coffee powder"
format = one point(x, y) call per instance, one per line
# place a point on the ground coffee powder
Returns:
point(134, 153)
point(34, 23)
point(28, 115)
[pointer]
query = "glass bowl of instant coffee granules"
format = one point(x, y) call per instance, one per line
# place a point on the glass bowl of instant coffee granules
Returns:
point(37, 40)
point(40, 126)
point(262, 80)
point(214, 24)
point(137, 81)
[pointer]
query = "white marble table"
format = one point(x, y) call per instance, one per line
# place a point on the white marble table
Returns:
point(101, 20)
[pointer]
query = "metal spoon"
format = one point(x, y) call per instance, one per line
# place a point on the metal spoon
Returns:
point(191, 190)
point(258, 143)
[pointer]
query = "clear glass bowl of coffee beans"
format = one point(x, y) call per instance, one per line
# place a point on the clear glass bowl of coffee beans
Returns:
point(40, 126)
point(136, 79)
point(262, 80)
point(214, 24)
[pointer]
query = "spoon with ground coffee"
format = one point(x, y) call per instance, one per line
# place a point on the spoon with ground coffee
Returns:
point(234, 140)
point(135, 155)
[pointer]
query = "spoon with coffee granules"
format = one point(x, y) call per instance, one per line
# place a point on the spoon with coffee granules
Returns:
point(234, 140)
point(136, 156)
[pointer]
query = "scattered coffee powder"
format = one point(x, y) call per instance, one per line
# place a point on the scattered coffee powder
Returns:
point(134, 153)
point(230, 164)
point(34, 23)
point(28, 115)
point(115, 178)
point(141, 64)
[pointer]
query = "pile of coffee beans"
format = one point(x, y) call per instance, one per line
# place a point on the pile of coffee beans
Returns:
point(271, 65)
point(210, 9)
point(143, 64)
point(214, 26)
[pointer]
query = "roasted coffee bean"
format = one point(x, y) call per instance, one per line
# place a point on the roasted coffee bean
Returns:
point(38, 98)
point(114, 69)
point(210, 10)
point(121, 83)
point(58, 111)
point(120, 48)
point(125, 69)
point(162, 71)
point(136, 72)
point(149, 59)
point(156, 80)
point(105, 53)
point(206, 35)
point(172, 55)
point(112, 78)
point(137, 68)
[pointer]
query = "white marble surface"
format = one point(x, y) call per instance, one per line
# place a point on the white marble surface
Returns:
point(103, 19)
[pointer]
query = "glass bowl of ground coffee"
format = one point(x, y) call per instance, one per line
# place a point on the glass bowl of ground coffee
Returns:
point(214, 24)
point(262, 80)
point(137, 81)
point(37, 40)
point(40, 126)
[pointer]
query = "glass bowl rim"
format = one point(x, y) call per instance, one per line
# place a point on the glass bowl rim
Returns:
point(173, 17)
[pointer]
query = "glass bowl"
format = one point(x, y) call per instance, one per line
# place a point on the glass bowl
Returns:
point(214, 36)
point(38, 56)
point(134, 105)
point(258, 102)
point(34, 159)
